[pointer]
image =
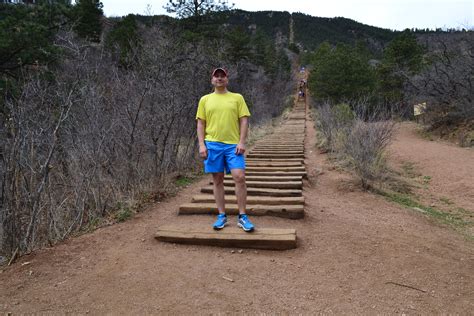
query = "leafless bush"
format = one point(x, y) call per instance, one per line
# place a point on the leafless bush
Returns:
point(86, 136)
point(365, 147)
point(447, 85)
point(334, 123)
point(357, 134)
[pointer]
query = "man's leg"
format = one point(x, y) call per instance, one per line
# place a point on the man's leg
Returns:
point(240, 189)
point(219, 194)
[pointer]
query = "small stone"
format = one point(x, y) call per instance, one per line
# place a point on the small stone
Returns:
point(241, 251)
point(232, 251)
point(272, 260)
point(256, 251)
point(143, 239)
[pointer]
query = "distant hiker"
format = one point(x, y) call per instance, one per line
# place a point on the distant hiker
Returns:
point(301, 93)
point(222, 125)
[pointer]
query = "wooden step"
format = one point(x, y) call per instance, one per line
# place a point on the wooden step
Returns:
point(258, 191)
point(302, 168)
point(282, 143)
point(276, 151)
point(260, 238)
point(265, 184)
point(263, 200)
point(276, 173)
point(278, 147)
point(251, 155)
point(268, 178)
point(286, 211)
point(273, 164)
point(274, 159)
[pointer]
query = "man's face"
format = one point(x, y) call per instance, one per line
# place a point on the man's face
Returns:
point(219, 79)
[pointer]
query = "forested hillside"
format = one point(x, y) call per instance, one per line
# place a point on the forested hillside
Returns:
point(97, 114)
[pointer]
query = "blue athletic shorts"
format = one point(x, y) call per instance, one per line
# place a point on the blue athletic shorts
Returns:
point(221, 156)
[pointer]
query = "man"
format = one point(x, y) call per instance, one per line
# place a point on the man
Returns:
point(222, 125)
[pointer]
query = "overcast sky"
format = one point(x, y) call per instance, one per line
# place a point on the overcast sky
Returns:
point(392, 14)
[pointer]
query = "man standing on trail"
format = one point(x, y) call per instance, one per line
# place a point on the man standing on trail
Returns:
point(222, 125)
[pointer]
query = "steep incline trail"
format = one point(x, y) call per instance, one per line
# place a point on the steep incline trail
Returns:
point(357, 253)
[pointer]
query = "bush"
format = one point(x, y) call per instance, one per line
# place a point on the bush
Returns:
point(365, 148)
point(356, 137)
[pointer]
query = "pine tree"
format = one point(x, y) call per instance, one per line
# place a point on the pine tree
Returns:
point(196, 9)
point(88, 15)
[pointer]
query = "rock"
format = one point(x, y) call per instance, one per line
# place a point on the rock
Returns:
point(241, 251)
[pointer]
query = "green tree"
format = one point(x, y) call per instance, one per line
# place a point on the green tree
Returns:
point(123, 39)
point(340, 73)
point(88, 19)
point(26, 41)
point(402, 58)
point(196, 9)
point(239, 41)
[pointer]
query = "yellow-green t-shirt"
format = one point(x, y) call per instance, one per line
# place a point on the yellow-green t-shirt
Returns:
point(222, 113)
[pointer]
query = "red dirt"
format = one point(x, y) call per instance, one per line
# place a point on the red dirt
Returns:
point(357, 254)
point(450, 168)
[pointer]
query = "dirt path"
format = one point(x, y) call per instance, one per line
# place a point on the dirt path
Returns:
point(357, 254)
point(446, 171)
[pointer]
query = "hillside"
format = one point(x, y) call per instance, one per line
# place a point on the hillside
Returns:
point(310, 31)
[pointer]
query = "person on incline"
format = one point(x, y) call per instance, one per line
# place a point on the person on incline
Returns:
point(222, 125)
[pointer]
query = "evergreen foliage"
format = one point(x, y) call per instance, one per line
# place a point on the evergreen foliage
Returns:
point(340, 73)
point(26, 41)
point(123, 39)
point(196, 9)
point(88, 15)
point(402, 58)
point(312, 31)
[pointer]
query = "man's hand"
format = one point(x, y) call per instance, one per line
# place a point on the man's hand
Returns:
point(240, 149)
point(203, 151)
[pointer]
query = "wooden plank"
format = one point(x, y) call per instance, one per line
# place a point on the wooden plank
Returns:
point(263, 200)
point(258, 191)
point(252, 155)
point(276, 173)
point(273, 164)
point(282, 142)
point(286, 211)
point(268, 178)
point(260, 238)
point(275, 169)
point(265, 184)
point(277, 151)
point(274, 159)
point(278, 148)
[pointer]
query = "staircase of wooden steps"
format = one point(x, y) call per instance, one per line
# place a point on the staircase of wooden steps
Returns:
point(274, 176)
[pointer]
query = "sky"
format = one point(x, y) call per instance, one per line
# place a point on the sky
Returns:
point(391, 14)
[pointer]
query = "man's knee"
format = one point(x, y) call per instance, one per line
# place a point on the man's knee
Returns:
point(239, 176)
point(218, 178)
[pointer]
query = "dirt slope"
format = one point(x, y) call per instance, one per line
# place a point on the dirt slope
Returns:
point(357, 253)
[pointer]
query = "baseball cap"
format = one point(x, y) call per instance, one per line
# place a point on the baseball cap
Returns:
point(219, 69)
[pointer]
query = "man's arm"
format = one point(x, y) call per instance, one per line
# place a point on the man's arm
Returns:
point(201, 128)
point(244, 127)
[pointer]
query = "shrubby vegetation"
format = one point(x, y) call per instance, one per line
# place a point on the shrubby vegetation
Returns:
point(88, 128)
point(356, 139)
point(357, 95)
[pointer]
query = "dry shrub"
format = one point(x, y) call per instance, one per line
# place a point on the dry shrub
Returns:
point(365, 147)
point(356, 137)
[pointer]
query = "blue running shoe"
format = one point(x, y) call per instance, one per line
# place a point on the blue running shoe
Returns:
point(220, 222)
point(245, 223)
